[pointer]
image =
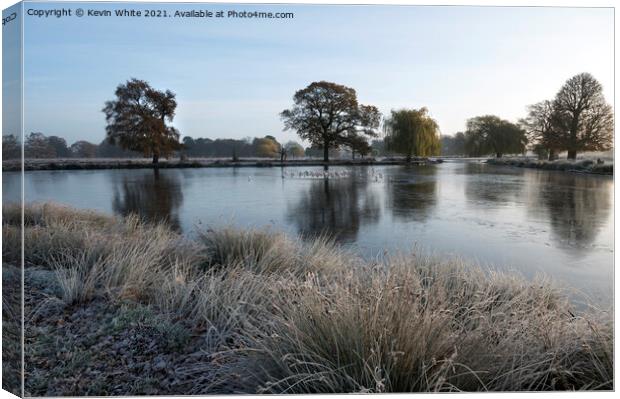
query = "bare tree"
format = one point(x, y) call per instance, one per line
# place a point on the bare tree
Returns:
point(541, 129)
point(84, 149)
point(582, 118)
point(37, 146)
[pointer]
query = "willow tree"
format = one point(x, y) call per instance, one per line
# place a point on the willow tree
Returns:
point(328, 115)
point(294, 149)
point(412, 132)
point(290, 148)
point(489, 134)
point(583, 120)
point(266, 147)
point(138, 119)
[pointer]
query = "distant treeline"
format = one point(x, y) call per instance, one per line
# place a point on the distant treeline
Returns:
point(40, 146)
point(454, 145)
point(265, 147)
point(268, 147)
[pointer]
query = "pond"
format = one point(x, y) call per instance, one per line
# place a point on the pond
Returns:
point(555, 223)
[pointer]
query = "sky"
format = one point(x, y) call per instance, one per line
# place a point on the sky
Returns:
point(11, 71)
point(233, 77)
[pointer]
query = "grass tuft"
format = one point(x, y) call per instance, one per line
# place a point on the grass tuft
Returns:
point(283, 316)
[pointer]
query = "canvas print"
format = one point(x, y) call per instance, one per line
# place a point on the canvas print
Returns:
point(221, 198)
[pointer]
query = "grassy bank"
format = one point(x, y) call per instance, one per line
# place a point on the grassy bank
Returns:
point(116, 306)
point(143, 163)
point(581, 166)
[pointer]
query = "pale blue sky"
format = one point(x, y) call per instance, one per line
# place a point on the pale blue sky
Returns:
point(11, 71)
point(233, 77)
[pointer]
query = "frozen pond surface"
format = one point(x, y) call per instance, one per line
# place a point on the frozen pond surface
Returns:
point(556, 223)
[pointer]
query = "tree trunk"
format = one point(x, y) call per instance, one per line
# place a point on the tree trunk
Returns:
point(552, 155)
point(408, 158)
point(155, 159)
point(572, 153)
point(498, 155)
point(326, 152)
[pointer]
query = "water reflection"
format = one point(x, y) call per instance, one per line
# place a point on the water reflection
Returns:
point(499, 185)
point(153, 195)
point(529, 220)
point(577, 206)
point(412, 193)
point(573, 207)
point(336, 208)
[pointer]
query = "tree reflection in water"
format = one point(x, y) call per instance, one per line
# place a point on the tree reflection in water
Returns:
point(153, 196)
point(335, 208)
point(498, 185)
point(577, 206)
point(412, 193)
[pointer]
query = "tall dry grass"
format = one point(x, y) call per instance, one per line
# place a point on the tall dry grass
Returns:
point(419, 325)
point(290, 317)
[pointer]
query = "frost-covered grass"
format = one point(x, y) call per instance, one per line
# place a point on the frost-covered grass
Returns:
point(276, 315)
point(580, 165)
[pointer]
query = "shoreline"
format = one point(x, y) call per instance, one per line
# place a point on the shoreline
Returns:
point(254, 311)
point(142, 163)
point(583, 166)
